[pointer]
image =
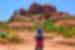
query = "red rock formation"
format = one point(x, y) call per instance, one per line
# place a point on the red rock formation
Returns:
point(56, 15)
point(23, 12)
point(44, 9)
point(49, 9)
point(46, 16)
point(13, 16)
point(35, 8)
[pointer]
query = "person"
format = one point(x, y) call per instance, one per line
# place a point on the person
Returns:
point(39, 39)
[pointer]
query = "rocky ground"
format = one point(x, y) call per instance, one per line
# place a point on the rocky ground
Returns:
point(29, 43)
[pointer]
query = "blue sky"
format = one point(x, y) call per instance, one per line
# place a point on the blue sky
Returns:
point(8, 6)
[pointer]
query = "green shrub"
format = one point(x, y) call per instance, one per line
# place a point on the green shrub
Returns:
point(73, 30)
point(61, 29)
point(67, 32)
point(3, 35)
point(49, 25)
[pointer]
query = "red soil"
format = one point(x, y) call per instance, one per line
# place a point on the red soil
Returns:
point(29, 43)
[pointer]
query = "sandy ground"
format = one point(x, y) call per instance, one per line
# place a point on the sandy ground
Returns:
point(29, 44)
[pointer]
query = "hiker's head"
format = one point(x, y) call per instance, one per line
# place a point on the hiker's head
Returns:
point(40, 31)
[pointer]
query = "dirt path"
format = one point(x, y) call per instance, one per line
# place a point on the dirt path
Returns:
point(30, 44)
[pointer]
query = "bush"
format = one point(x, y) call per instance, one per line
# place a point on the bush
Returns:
point(71, 32)
point(49, 25)
point(67, 32)
point(3, 35)
point(64, 31)
point(61, 29)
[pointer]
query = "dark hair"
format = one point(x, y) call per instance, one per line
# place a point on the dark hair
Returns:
point(39, 30)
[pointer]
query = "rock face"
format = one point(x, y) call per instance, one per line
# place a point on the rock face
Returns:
point(47, 11)
point(23, 12)
point(19, 15)
point(35, 8)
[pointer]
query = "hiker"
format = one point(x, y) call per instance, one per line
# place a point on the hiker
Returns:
point(39, 39)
